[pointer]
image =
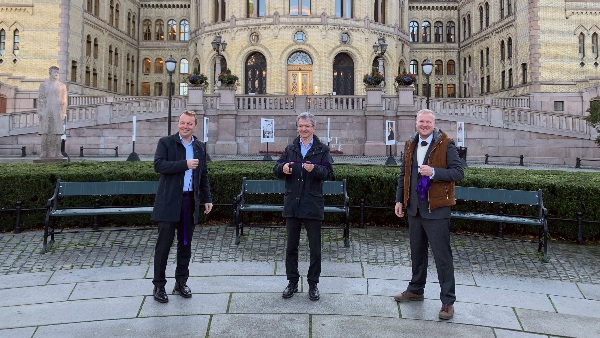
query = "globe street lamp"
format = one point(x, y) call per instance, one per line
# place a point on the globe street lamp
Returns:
point(427, 68)
point(218, 45)
point(171, 63)
point(379, 48)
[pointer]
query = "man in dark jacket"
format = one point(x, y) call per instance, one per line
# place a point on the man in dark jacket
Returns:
point(180, 159)
point(426, 188)
point(304, 164)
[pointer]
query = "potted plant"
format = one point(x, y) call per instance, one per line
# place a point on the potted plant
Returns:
point(374, 79)
point(405, 78)
point(227, 79)
point(196, 79)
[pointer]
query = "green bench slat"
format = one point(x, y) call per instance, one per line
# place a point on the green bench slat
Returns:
point(278, 187)
point(496, 218)
point(101, 211)
point(279, 208)
point(107, 188)
point(497, 195)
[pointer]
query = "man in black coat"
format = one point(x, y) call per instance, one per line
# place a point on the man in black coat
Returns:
point(304, 164)
point(180, 159)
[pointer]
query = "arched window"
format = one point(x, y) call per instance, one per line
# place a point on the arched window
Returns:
point(487, 15)
point(128, 62)
point(158, 88)
point(95, 77)
point(595, 45)
point(502, 51)
point(450, 32)
point(133, 26)
point(481, 60)
point(414, 67)
point(469, 25)
point(379, 11)
point(183, 66)
point(96, 7)
point(73, 71)
point(117, 15)
point(88, 76)
point(487, 56)
point(480, 18)
point(414, 31)
point(343, 8)
point(220, 10)
point(256, 74)
point(111, 13)
point(509, 6)
point(116, 57)
point(3, 41)
point(16, 41)
point(581, 45)
point(158, 66)
point(88, 44)
point(159, 30)
point(172, 29)
point(509, 47)
point(464, 32)
point(146, 64)
point(128, 22)
point(256, 8)
point(450, 67)
point(89, 8)
point(426, 31)
point(184, 30)
point(439, 67)
point(501, 9)
point(438, 28)
point(196, 65)
point(95, 48)
point(147, 30)
point(343, 74)
point(110, 55)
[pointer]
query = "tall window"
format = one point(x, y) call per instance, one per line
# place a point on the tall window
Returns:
point(480, 18)
point(414, 67)
point(146, 64)
point(128, 22)
point(509, 47)
point(464, 32)
point(147, 30)
point(300, 7)
point(159, 29)
point(487, 15)
point(469, 25)
point(595, 45)
point(88, 76)
point(524, 73)
point(220, 13)
point(438, 31)
point(172, 28)
point(487, 84)
point(183, 88)
point(343, 8)
point(439, 90)
point(133, 65)
point(502, 51)
point(158, 88)
point(581, 45)
point(509, 7)
point(450, 67)
point(117, 15)
point(439, 67)
point(451, 90)
point(256, 8)
point(111, 13)
point(133, 26)
point(95, 77)
point(116, 57)
point(88, 44)
point(158, 66)
point(96, 7)
point(89, 8)
point(450, 32)
point(3, 41)
point(426, 31)
point(379, 11)
point(95, 48)
point(503, 80)
point(73, 71)
point(501, 9)
point(481, 59)
point(110, 55)
point(183, 66)
point(16, 40)
point(414, 31)
point(510, 78)
point(256, 74)
point(487, 56)
point(128, 62)
point(184, 30)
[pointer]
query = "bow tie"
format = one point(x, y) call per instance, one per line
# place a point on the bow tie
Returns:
point(423, 143)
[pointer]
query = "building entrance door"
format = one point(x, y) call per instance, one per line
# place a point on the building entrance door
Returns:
point(299, 80)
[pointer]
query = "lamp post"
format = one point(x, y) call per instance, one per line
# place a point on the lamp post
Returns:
point(218, 45)
point(427, 68)
point(171, 63)
point(379, 48)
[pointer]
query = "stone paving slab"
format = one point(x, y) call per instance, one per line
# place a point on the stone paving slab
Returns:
point(69, 312)
point(103, 289)
point(527, 284)
point(558, 324)
point(349, 305)
point(229, 268)
point(25, 332)
point(500, 333)
point(15, 281)
point(259, 325)
point(590, 291)
point(199, 304)
point(577, 306)
point(464, 313)
point(509, 298)
point(363, 326)
point(164, 327)
point(98, 274)
point(221, 284)
point(332, 285)
point(35, 294)
point(328, 269)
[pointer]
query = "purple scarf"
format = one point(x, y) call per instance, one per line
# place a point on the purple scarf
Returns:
point(424, 186)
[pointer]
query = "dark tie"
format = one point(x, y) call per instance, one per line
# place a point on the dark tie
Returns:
point(423, 143)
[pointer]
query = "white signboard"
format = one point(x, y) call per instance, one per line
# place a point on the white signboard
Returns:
point(390, 132)
point(460, 134)
point(267, 130)
point(206, 129)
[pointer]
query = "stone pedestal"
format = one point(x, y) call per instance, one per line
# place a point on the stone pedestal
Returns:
point(196, 99)
point(375, 125)
point(406, 116)
point(226, 123)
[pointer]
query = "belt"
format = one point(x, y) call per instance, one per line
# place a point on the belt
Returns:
point(190, 193)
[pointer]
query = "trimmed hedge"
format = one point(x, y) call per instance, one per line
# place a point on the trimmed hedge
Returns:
point(565, 193)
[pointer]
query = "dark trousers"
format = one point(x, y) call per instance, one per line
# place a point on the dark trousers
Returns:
point(436, 233)
point(313, 230)
point(166, 235)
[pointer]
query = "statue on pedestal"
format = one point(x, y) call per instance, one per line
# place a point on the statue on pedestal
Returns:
point(52, 112)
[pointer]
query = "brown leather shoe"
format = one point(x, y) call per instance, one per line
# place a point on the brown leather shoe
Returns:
point(447, 311)
point(408, 296)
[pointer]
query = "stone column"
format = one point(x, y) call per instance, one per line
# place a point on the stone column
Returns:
point(374, 145)
point(406, 116)
point(226, 123)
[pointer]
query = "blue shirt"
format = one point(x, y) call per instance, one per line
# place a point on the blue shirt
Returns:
point(189, 154)
point(304, 149)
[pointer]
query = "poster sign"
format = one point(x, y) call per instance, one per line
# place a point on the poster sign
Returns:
point(267, 130)
point(460, 134)
point(205, 129)
point(389, 132)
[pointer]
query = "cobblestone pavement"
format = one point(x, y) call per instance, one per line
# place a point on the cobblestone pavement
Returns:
point(20, 253)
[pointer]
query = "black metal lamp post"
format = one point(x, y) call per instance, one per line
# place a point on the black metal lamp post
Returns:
point(218, 45)
point(427, 68)
point(379, 48)
point(171, 63)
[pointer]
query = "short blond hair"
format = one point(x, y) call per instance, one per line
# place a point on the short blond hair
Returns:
point(190, 113)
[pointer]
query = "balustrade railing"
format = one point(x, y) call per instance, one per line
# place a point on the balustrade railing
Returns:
point(265, 102)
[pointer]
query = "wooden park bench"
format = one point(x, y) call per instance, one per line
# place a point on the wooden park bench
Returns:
point(502, 197)
point(266, 187)
point(74, 189)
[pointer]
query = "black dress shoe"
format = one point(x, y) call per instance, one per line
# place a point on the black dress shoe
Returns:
point(183, 290)
point(160, 295)
point(290, 289)
point(313, 291)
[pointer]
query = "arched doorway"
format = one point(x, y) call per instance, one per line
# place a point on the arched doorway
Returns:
point(256, 74)
point(343, 74)
point(299, 69)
